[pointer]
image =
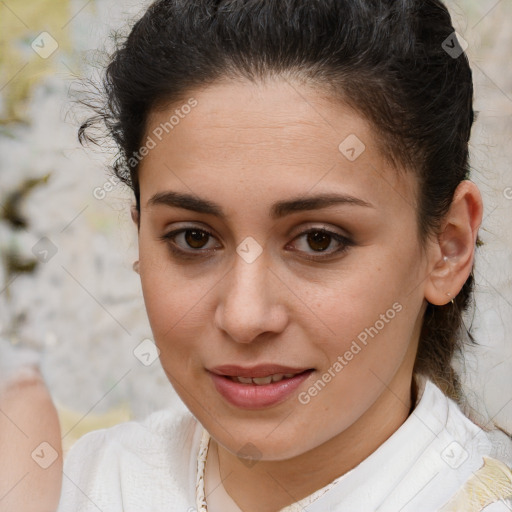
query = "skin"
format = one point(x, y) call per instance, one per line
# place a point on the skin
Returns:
point(28, 418)
point(246, 146)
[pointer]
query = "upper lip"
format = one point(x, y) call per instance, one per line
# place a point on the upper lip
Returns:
point(262, 370)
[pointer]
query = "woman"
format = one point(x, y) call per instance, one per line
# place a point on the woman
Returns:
point(307, 232)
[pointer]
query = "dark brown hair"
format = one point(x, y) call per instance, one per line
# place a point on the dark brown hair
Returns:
point(388, 59)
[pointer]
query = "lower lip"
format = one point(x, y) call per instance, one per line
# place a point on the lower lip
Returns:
point(251, 396)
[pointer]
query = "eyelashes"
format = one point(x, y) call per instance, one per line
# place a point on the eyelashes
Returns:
point(197, 236)
point(320, 241)
point(194, 243)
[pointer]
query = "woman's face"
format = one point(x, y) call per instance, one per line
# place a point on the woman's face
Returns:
point(276, 239)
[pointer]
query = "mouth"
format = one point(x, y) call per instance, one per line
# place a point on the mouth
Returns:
point(258, 387)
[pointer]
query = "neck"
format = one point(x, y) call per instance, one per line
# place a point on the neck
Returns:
point(271, 485)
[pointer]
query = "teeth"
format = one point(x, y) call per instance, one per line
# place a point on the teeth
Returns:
point(263, 380)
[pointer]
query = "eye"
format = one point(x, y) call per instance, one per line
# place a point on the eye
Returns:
point(320, 239)
point(189, 238)
point(192, 242)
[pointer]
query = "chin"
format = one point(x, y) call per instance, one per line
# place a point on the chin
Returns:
point(259, 445)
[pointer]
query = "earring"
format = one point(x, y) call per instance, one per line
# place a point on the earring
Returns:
point(449, 295)
point(136, 266)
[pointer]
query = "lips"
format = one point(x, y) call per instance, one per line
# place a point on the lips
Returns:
point(258, 386)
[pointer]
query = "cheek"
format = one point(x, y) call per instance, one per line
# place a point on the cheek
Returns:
point(369, 338)
point(366, 314)
point(173, 303)
point(171, 296)
point(365, 328)
point(178, 301)
point(172, 310)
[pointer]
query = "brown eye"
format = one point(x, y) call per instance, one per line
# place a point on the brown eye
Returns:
point(313, 242)
point(197, 239)
point(190, 243)
point(319, 240)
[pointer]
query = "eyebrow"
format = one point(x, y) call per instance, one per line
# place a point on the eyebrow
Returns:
point(278, 210)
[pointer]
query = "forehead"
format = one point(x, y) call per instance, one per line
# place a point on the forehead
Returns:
point(277, 137)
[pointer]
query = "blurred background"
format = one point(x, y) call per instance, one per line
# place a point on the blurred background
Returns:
point(69, 299)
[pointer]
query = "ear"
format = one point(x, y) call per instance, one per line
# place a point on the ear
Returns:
point(135, 215)
point(451, 255)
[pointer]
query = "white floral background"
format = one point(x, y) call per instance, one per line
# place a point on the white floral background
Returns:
point(79, 312)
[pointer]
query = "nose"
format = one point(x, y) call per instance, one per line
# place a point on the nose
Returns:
point(249, 303)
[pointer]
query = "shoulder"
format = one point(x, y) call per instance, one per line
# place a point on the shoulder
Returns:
point(476, 460)
point(24, 399)
point(134, 462)
point(490, 443)
point(459, 428)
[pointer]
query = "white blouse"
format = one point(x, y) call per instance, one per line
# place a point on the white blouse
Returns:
point(438, 460)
